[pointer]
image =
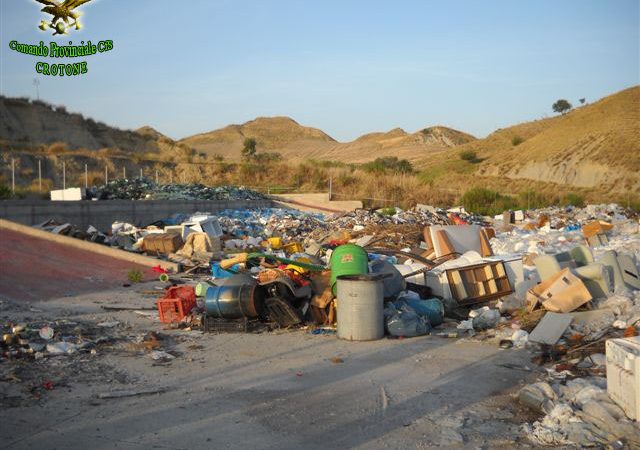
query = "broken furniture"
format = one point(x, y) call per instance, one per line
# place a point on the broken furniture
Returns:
point(469, 279)
point(594, 275)
point(563, 292)
point(623, 270)
point(596, 232)
point(447, 240)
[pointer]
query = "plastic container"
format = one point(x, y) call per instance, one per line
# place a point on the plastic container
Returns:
point(176, 304)
point(173, 310)
point(360, 307)
point(201, 289)
point(348, 259)
point(293, 247)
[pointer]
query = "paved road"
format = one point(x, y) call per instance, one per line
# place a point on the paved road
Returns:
point(36, 269)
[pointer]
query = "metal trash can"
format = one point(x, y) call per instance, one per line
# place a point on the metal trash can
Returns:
point(360, 307)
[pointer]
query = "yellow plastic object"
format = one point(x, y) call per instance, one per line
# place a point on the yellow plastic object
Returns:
point(275, 242)
point(293, 247)
point(298, 268)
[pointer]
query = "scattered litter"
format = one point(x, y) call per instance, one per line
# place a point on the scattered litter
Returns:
point(551, 328)
point(46, 333)
point(122, 394)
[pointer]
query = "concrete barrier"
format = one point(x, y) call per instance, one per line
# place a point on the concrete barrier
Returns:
point(101, 214)
point(92, 247)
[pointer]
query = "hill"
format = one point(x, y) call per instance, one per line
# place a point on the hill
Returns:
point(597, 145)
point(296, 142)
point(273, 134)
point(28, 124)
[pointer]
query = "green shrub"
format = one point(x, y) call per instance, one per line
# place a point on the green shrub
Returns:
point(516, 140)
point(487, 202)
point(5, 192)
point(388, 164)
point(573, 200)
point(135, 276)
point(469, 155)
point(389, 211)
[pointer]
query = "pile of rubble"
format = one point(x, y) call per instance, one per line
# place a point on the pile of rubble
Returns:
point(146, 189)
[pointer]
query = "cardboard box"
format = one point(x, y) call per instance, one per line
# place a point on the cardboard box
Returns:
point(596, 227)
point(563, 292)
point(162, 243)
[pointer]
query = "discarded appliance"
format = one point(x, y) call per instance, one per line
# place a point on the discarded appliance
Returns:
point(623, 374)
point(205, 224)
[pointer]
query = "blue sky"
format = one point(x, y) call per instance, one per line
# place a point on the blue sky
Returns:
point(348, 67)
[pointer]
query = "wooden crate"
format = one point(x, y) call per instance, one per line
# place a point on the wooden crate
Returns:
point(479, 283)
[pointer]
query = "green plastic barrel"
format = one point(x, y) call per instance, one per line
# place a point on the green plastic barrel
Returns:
point(348, 259)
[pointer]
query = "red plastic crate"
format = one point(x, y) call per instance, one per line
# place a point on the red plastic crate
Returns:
point(173, 310)
point(177, 303)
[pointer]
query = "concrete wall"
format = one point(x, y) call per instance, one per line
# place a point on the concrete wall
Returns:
point(101, 214)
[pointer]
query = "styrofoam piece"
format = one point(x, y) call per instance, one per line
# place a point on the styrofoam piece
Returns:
point(69, 194)
point(518, 216)
point(623, 374)
point(409, 268)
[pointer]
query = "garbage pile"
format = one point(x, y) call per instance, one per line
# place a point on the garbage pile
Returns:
point(67, 229)
point(146, 189)
point(560, 287)
point(561, 283)
point(578, 412)
point(288, 224)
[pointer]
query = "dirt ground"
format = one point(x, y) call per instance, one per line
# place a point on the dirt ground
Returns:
point(279, 389)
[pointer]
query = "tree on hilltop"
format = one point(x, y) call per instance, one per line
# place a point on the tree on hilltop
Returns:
point(561, 106)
